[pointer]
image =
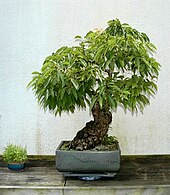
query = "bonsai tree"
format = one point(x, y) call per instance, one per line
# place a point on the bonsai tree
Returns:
point(106, 69)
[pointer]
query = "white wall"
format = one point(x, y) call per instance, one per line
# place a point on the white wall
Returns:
point(30, 30)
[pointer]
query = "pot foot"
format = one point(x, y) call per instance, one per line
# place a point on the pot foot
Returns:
point(89, 178)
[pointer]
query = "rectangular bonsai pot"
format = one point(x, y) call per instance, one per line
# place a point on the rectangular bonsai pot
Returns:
point(87, 161)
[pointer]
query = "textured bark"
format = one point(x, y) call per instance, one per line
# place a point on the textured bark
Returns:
point(94, 131)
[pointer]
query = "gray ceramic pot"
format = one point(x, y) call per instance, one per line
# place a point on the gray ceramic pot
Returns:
point(87, 161)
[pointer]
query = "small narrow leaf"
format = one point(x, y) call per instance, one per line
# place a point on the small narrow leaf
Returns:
point(35, 72)
point(113, 104)
point(137, 62)
point(83, 62)
point(74, 82)
point(100, 101)
point(78, 37)
point(93, 101)
point(74, 92)
point(152, 45)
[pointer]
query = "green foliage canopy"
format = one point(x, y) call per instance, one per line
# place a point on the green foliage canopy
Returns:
point(112, 67)
point(14, 154)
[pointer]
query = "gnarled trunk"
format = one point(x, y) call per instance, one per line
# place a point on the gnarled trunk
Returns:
point(94, 131)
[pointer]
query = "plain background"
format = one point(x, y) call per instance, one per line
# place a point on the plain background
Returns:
point(30, 30)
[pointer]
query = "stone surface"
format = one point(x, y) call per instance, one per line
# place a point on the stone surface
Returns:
point(139, 175)
point(118, 191)
point(31, 191)
point(39, 177)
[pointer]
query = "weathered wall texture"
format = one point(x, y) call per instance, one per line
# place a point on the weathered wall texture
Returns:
point(30, 30)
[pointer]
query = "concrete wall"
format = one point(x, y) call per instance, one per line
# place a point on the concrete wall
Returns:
point(30, 30)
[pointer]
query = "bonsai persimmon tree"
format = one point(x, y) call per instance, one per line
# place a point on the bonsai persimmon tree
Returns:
point(106, 69)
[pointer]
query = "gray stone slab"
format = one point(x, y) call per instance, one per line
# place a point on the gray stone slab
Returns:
point(121, 190)
point(139, 175)
point(31, 191)
point(40, 177)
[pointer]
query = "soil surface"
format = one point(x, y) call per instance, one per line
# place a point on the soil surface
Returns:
point(104, 146)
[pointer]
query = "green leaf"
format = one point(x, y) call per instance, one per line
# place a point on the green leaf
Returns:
point(98, 54)
point(137, 62)
point(126, 92)
point(146, 62)
point(63, 93)
point(122, 64)
point(44, 66)
point(78, 37)
point(154, 86)
point(93, 101)
point(60, 50)
point(100, 99)
point(51, 92)
point(83, 62)
point(112, 101)
point(111, 65)
point(31, 83)
point(35, 72)
point(152, 45)
point(74, 82)
point(61, 76)
point(74, 92)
